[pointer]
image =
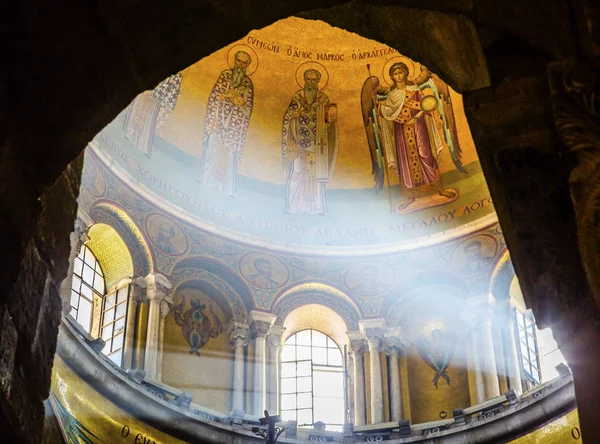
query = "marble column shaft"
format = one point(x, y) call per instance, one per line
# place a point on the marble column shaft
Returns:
point(261, 324)
point(274, 354)
point(488, 360)
point(395, 350)
point(156, 290)
point(137, 293)
point(238, 339)
point(374, 340)
point(358, 358)
point(512, 356)
point(476, 361)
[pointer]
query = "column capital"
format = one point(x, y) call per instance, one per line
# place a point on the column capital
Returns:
point(261, 322)
point(165, 305)
point(395, 341)
point(238, 331)
point(357, 342)
point(373, 330)
point(157, 286)
point(275, 336)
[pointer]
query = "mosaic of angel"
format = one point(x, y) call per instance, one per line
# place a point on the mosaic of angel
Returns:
point(408, 125)
point(197, 326)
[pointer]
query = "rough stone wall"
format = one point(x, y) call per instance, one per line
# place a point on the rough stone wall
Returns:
point(69, 68)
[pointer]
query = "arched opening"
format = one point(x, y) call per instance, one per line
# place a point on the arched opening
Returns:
point(262, 297)
point(312, 380)
point(102, 271)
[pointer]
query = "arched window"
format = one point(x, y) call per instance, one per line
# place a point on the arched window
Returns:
point(312, 380)
point(87, 285)
point(101, 314)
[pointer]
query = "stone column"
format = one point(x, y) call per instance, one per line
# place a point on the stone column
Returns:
point(165, 308)
point(137, 293)
point(238, 339)
point(513, 366)
point(357, 348)
point(373, 331)
point(274, 352)
point(261, 324)
point(77, 238)
point(476, 363)
point(395, 348)
point(157, 287)
point(488, 358)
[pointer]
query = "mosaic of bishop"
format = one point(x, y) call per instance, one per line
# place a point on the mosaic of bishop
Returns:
point(309, 147)
point(226, 124)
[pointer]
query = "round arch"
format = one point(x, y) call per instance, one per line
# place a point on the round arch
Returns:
point(111, 252)
point(420, 280)
point(320, 294)
point(119, 220)
point(216, 272)
point(214, 287)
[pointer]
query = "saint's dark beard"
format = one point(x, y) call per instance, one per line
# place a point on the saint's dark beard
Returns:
point(238, 76)
point(310, 93)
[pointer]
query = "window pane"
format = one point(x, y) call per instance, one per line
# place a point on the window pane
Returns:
point(99, 284)
point(117, 342)
point(89, 258)
point(288, 369)
point(305, 417)
point(78, 265)
point(74, 299)
point(98, 268)
point(76, 283)
point(122, 294)
point(304, 368)
point(288, 353)
point(329, 410)
point(328, 383)
point(119, 326)
point(302, 353)
point(110, 301)
point(84, 314)
point(288, 402)
point(304, 400)
point(291, 340)
point(288, 385)
point(117, 357)
point(121, 309)
point(88, 274)
point(109, 316)
point(73, 313)
point(335, 357)
point(303, 337)
point(304, 384)
point(319, 339)
point(289, 415)
point(107, 333)
point(319, 356)
point(86, 291)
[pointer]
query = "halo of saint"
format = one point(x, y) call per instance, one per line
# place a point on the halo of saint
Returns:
point(235, 49)
point(306, 66)
point(385, 73)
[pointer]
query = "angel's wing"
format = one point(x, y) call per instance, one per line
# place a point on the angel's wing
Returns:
point(368, 97)
point(442, 92)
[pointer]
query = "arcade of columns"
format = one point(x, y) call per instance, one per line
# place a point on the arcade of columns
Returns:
point(488, 325)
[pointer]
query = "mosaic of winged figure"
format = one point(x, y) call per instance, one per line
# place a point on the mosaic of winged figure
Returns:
point(408, 124)
point(437, 353)
point(197, 326)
